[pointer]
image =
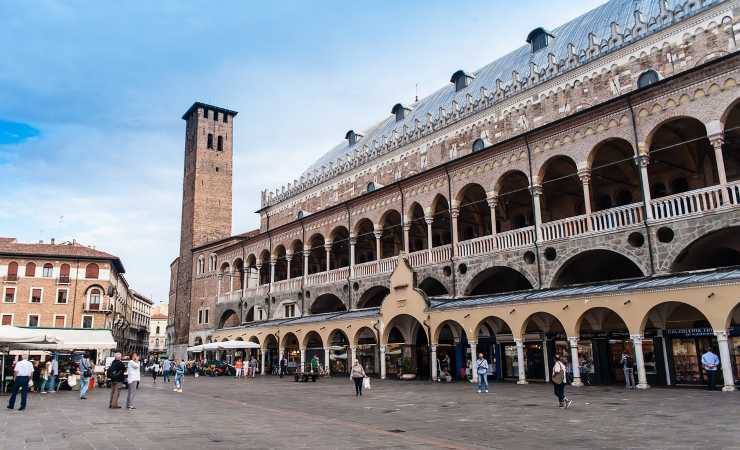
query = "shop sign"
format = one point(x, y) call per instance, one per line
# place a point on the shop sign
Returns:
point(688, 332)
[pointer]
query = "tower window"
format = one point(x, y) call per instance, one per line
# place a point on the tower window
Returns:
point(647, 78)
point(226, 118)
point(210, 140)
point(215, 116)
point(220, 145)
point(205, 112)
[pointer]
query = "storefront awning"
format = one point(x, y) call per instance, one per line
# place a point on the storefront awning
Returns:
point(70, 339)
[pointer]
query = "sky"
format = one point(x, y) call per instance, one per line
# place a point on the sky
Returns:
point(91, 95)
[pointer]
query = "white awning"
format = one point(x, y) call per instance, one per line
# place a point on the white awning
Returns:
point(227, 345)
point(10, 336)
point(195, 349)
point(76, 339)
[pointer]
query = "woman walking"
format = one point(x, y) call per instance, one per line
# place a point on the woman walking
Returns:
point(134, 376)
point(358, 376)
point(155, 371)
point(179, 375)
point(558, 380)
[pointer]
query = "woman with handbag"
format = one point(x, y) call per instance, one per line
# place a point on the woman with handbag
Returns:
point(358, 375)
point(85, 373)
point(558, 380)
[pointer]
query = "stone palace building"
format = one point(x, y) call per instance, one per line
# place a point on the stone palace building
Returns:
point(579, 195)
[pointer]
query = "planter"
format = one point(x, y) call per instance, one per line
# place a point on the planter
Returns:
point(408, 376)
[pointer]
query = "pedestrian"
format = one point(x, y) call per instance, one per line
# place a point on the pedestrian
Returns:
point(481, 367)
point(53, 373)
point(358, 376)
point(179, 374)
point(86, 372)
point(23, 371)
point(166, 367)
point(558, 380)
point(253, 365)
point(239, 366)
point(315, 364)
point(134, 376)
point(36, 375)
point(116, 374)
point(628, 369)
point(710, 362)
point(283, 366)
point(155, 371)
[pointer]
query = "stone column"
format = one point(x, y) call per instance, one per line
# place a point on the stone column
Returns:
point(640, 360)
point(352, 243)
point(288, 257)
point(218, 288)
point(273, 262)
point(262, 361)
point(718, 141)
point(303, 359)
point(546, 360)
point(492, 201)
point(326, 360)
point(306, 253)
point(454, 214)
point(585, 176)
point(473, 358)
point(520, 362)
point(353, 358)
point(430, 241)
point(378, 234)
point(433, 349)
point(536, 191)
point(726, 362)
point(382, 362)
point(327, 248)
point(574, 363)
point(231, 281)
point(406, 229)
point(244, 280)
point(643, 160)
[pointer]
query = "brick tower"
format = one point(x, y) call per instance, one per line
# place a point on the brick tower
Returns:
point(206, 199)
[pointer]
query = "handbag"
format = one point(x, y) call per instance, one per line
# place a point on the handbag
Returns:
point(366, 383)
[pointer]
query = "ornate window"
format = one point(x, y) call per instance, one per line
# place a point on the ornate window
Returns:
point(478, 145)
point(647, 78)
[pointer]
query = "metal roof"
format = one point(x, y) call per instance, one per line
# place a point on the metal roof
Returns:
point(656, 282)
point(576, 32)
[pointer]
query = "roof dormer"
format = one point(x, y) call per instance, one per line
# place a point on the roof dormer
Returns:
point(539, 39)
point(461, 80)
point(352, 137)
point(399, 111)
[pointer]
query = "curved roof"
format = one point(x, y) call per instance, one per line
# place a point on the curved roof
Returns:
point(576, 32)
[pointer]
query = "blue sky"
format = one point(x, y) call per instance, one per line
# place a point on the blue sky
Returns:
point(91, 95)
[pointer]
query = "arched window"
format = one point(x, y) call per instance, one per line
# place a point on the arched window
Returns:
point(13, 271)
point(92, 271)
point(31, 269)
point(210, 140)
point(94, 299)
point(300, 215)
point(370, 186)
point(64, 273)
point(478, 145)
point(220, 144)
point(48, 270)
point(647, 78)
point(157, 332)
point(538, 39)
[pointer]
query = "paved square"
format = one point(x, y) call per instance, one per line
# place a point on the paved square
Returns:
point(223, 413)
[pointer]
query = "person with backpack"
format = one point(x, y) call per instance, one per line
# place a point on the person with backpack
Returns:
point(481, 368)
point(628, 369)
point(116, 373)
point(86, 372)
point(558, 380)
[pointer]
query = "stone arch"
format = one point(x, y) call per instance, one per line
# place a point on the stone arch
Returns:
point(198, 341)
point(731, 146)
point(317, 253)
point(281, 262)
point(391, 239)
point(441, 221)
point(327, 303)
point(365, 247)
point(514, 208)
point(296, 262)
point(456, 329)
point(544, 322)
point(676, 313)
point(562, 190)
point(728, 111)
point(229, 318)
point(497, 279)
point(474, 217)
point(596, 265)
point(340, 248)
point(373, 297)
point(290, 338)
point(491, 324)
point(365, 336)
point(408, 326)
point(270, 341)
point(433, 287)
point(614, 176)
point(264, 270)
point(733, 317)
point(681, 157)
point(238, 273)
point(719, 248)
point(224, 274)
point(312, 339)
point(250, 315)
point(418, 239)
point(599, 319)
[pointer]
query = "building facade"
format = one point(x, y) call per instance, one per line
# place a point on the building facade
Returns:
point(605, 149)
point(68, 285)
point(158, 329)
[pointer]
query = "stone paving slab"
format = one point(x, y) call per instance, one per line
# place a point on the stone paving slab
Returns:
point(270, 413)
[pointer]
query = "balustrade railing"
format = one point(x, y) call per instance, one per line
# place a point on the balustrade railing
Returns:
point(441, 254)
point(477, 246)
point(733, 190)
point(564, 228)
point(419, 258)
point(615, 218)
point(520, 237)
point(291, 285)
point(687, 203)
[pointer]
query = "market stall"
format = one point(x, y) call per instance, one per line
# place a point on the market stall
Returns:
point(14, 338)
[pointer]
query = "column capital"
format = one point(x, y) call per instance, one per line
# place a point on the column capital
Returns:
point(382, 348)
point(273, 261)
point(352, 240)
point(289, 256)
point(433, 348)
point(518, 341)
point(535, 189)
point(492, 201)
point(642, 160)
point(378, 233)
point(429, 220)
point(455, 212)
point(585, 175)
point(573, 340)
point(721, 335)
point(406, 227)
point(637, 338)
point(328, 245)
point(717, 140)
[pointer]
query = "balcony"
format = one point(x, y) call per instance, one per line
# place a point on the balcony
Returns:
point(103, 306)
point(63, 279)
point(11, 278)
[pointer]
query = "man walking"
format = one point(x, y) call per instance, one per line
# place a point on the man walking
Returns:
point(51, 375)
point(166, 367)
point(116, 374)
point(628, 369)
point(710, 362)
point(86, 373)
point(134, 376)
point(283, 366)
point(23, 371)
point(481, 367)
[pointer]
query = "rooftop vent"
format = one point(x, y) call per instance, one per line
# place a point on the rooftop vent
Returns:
point(352, 137)
point(461, 80)
point(399, 111)
point(539, 39)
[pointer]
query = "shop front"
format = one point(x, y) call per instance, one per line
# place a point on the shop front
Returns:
point(685, 347)
point(368, 352)
point(339, 354)
point(600, 358)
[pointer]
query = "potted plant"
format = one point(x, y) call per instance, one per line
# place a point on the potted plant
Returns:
point(407, 369)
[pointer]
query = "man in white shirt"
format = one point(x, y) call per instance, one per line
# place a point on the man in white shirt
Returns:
point(23, 371)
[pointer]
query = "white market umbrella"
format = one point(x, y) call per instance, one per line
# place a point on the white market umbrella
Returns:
point(229, 345)
point(196, 349)
point(19, 338)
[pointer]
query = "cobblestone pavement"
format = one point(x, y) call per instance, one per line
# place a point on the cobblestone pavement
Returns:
point(224, 413)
